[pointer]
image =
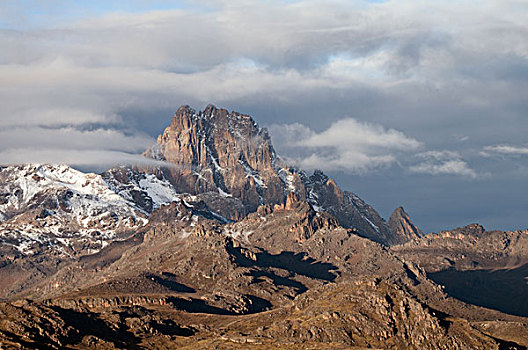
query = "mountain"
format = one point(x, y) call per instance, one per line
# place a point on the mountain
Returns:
point(226, 160)
point(218, 151)
point(214, 242)
point(289, 277)
point(400, 225)
point(61, 208)
point(51, 214)
point(219, 162)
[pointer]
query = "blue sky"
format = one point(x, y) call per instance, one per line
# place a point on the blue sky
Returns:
point(23, 14)
point(409, 102)
point(20, 14)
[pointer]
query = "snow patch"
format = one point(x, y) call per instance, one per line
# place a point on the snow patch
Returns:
point(160, 191)
point(253, 174)
point(223, 193)
point(239, 234)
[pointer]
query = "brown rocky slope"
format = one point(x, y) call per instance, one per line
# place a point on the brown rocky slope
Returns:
point(284, 277)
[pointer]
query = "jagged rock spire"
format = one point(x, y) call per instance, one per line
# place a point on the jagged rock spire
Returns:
point(401, 226)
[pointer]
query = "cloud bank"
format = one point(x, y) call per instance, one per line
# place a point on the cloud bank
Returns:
point(507, 150)
point(406, 56)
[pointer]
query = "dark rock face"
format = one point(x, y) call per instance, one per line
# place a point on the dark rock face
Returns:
point(350, 210)
point(401, 226)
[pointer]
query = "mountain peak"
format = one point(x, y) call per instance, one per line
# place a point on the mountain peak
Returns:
point(223, 155)
point(400, 211)
point(400, 225)
point(218, 151)
point(210, 109)
point(319, 176)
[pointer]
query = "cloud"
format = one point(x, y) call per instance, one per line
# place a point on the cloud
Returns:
point(407, 65)
point(443, 163)
point(78, 144)
point(97, 160)
point(358, 148)
point(429, 69)
point(75, 139)
point(347, 145)
point(505, 150)
point(350, 133)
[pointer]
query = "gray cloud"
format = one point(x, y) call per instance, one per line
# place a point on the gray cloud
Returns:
point(55, 117)
point(86, 159)
point(99, 139)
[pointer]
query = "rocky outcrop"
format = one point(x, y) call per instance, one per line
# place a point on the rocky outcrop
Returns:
point(94, 302)
point(369, 314)
point(466, 248)
point(350, 210)
point(401, 226)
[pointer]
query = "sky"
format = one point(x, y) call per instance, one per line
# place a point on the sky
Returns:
point(404, 102)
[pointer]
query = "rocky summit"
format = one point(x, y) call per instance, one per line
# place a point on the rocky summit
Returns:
point(214, 242)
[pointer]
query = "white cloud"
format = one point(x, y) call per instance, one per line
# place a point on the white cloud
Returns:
point(506, 150)
point(350, 133)
point(443, 163)
point(347, 145)
point(357, 147)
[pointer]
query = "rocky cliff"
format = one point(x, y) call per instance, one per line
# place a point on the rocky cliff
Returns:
point(220, 151)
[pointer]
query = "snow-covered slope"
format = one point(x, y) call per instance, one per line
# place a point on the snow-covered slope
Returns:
point(147, 191)
point(22, 186)
point(56, 206)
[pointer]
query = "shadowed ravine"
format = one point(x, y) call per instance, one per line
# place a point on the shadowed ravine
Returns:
point(505, 290)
